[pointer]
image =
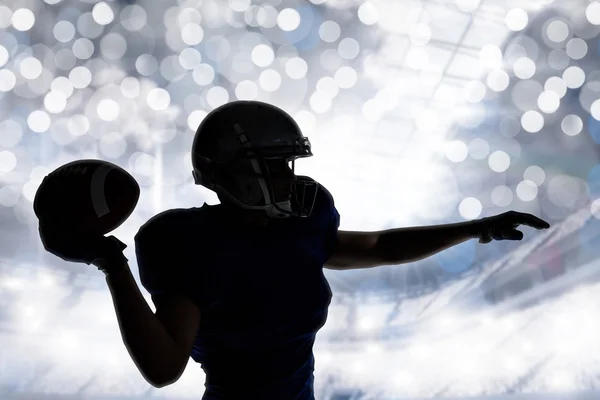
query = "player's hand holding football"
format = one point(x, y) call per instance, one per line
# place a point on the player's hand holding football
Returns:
point(104, 252)
point(502, 227)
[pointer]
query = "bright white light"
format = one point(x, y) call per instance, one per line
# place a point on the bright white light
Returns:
point(38, 121)
point(417, 58)
point(490, 56)
point(516, 19)
point(190, 58)
point(8, 80)
point(526, 190)
point(367, 13)
point(420, 34)
point(345, 77)
point(456, 151)
point(262, 55)
point(548, 102)
point(498, 80)
point(30, 68)
point(55, 102)
point(239, 5)
point(102, 13)
point(467, 5)
point(327, 85)
point(348, 48)
point(431, 75)
point(595, 109)
point(499, 161)
point(556, 85)
point(592, 13)
point(108, 110)
point(23, 19)
point(532, 121)
point(320, 102)
point(158, 99)
point(192, 34)
point(524, 68)
point(8, 162)
point(574, 77)
point(306, 120)
point(195, 118)
point(203, 74)
point(217, 96)
point(288, 19)
point(67, 341)
point(296, 68)
point(427, 121)
point(469, 208)
point(78, 125)
point(269, 80)
point(246, 90)
point(80, 77)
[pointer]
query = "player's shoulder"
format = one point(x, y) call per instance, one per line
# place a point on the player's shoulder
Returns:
point(324, 198)
point(170, 221)
point(324, 193)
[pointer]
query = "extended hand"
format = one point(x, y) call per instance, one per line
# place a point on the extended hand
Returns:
point(502, 227)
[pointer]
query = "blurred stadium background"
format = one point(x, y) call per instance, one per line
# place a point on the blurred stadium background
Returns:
point(420, 112)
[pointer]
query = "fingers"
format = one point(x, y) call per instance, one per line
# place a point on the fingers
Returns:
point(514, 235)
point(533, 221)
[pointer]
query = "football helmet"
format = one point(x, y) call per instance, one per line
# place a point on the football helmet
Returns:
point(229, 156)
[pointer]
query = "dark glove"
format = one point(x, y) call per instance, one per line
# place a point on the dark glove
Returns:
point(502, 227)
point(83, 248)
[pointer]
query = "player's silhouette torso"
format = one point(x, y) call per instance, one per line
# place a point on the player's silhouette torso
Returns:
point(262, 295)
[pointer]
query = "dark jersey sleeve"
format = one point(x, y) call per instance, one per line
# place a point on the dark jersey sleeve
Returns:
point(332, 222)
point(159, 253)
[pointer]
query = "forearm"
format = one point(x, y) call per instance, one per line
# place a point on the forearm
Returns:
point(405, 245)
point(150, 346)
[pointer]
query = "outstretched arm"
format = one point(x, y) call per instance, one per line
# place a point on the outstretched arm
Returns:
point(356, 250)
point(406, 245)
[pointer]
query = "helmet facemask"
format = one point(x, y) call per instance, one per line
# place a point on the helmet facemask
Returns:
point(241, 185)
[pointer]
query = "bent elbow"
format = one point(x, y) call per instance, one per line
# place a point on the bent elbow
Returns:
point(161, 382)
point(162, 378)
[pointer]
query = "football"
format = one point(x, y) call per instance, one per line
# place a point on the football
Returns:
point(87, 196)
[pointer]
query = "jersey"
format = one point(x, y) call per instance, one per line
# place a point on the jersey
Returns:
point(260, 290)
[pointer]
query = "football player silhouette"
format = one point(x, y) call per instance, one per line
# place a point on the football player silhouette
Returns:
point(239, 286)
point(244, 279)
point(251, 268)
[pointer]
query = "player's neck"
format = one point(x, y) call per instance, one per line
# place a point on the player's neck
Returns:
point(255, 218)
